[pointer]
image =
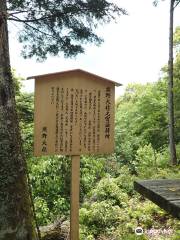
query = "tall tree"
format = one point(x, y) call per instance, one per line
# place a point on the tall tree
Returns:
point(49, 27)
point(172, 146)
point(177, 84)
point(15, 208)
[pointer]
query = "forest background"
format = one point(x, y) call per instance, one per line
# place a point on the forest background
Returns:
point(110, 208)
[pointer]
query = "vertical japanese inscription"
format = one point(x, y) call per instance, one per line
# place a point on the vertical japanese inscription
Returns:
point(52, 95)
point(98, 119)
point(85, 119)
point(66, 118)
point(107, 112)
point(94, 121)
point(89, 120)
point(82, 119)
point(61, 138)
point(57, 120)
point(76, 106)
point(71, 119)
point(44, 140)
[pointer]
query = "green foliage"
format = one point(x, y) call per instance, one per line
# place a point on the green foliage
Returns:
point(101, 217)
point(153, 164)
point(141, 117)
point(126, 142)
point(92, 170)
point(42, 211)
point(109, 206)
point(125, 180)
point(17, 82)
point(152, 120)
point(25, 111)
point(107, 188)
point(111, 211)
point(25, 107)
point(146, 156)
point(50, 27)
point(50, 179)
point(176, 39)
point(176, 91)
point(27, 138)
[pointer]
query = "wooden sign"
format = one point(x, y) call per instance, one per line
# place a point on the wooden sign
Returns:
point(74, 114)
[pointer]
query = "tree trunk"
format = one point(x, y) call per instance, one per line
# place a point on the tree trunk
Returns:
point(170, 90)
point(15, 208)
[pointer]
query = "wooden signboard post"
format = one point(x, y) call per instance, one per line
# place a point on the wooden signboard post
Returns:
point(74, 115)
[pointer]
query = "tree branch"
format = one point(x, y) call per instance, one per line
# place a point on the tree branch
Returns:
point(17, 12)
point(177, 3)
point(26, 23)
point(27, 20)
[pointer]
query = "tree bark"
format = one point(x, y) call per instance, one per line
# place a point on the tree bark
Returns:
point(15, 205)
point(172, 146)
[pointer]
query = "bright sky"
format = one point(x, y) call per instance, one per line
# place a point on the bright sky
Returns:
point(135, 48)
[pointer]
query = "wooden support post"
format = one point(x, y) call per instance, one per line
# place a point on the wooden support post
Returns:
point(75, 180)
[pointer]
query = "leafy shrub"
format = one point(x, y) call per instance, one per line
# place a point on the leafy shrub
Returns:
point(107, 188)
point(42, 211)
point(101, 217)
point(110, 208)
point(125, 180)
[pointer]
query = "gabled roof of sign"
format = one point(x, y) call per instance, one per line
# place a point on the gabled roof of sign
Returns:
point(76, 71)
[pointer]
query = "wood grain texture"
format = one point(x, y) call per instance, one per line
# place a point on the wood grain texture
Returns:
point(75, 181)
point(77, 113)
point(164, 192)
